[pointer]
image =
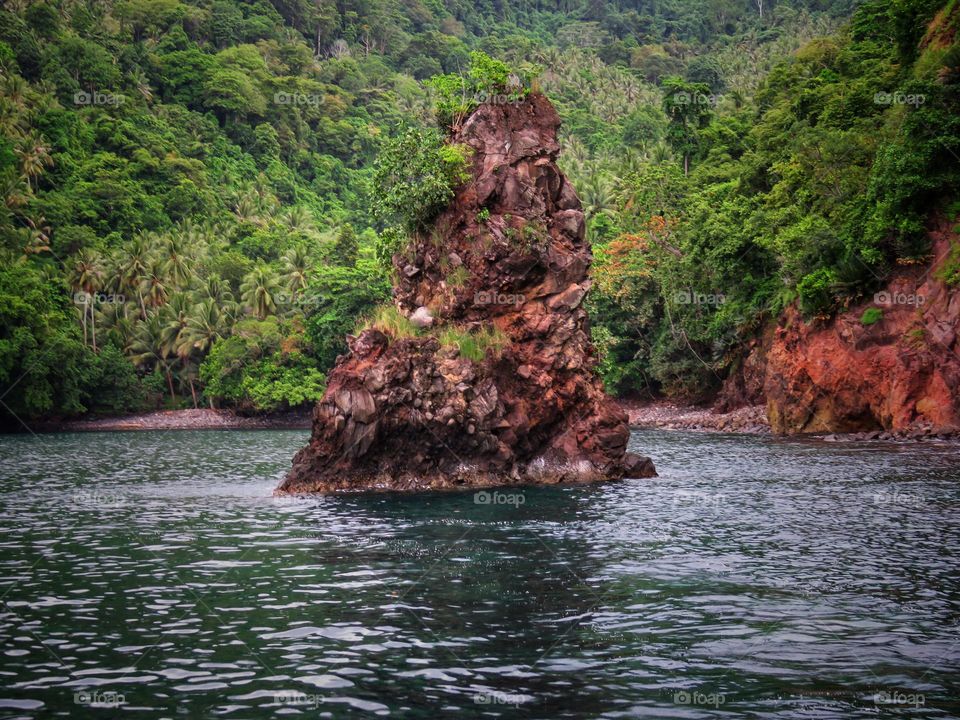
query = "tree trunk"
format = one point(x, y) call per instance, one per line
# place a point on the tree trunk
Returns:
point(84, 321)
point(170, 384)
point(93, 328)
point(193, 392)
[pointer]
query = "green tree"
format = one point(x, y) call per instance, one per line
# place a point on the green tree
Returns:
point(86, 280)
point(689, 108)
point(346, 247)
point(258, 291)
point(414, 177)
point(339, 297)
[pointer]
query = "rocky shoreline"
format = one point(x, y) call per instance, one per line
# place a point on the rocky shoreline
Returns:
point(752, 420)
point(199, 419)
point(660, 414)
point(669, 415)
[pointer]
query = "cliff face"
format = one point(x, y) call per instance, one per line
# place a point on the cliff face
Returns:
point(900, 373)
point(508, 257)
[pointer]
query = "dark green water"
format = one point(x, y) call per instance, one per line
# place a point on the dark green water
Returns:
point(152, 575)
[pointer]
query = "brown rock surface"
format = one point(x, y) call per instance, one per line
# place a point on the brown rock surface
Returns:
point(901, 374)
point(407, 414)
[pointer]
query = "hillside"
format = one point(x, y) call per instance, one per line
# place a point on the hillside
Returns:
point(190, 215)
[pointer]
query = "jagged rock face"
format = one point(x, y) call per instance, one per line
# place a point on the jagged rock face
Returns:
point(509, 253)
point(900, 374)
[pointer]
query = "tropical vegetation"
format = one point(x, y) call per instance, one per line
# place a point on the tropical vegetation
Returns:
point(200, 197)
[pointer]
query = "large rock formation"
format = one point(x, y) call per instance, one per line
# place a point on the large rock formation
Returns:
point(900, 373)
point(507, 259)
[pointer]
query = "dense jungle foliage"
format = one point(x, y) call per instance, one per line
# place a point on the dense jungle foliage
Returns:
point(191, 212)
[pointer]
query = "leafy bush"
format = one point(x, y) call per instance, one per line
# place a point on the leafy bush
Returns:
point(337, 298)
point(871, 315)
point(113, 386)
point(816, 291)
point(388, 243)
point(414, 178)
point(260, 369)
point(949, 272)
point(456, 96)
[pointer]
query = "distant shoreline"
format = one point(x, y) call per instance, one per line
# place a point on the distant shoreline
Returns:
point(752, 420)
point(188, 419)
point(668, 415)
point(658, 414)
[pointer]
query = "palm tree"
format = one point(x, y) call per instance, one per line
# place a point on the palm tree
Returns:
point(218, 290)
point(258, 291)
point(12, 121)
point(214, 288)
point(15, 91)
point(204, 327)
point(142, 84)
point(36, 236)
point(176, 259)
point(597, 194)
point(34, 156)
point(266, 200)
point(298, 218)
point(246, 209)
point(153, 285)
point(132, 267)
point(176, 315)
point(86, 276)
point(113, 319)
point(149, 348)
point(14, 191)
point(296, 267)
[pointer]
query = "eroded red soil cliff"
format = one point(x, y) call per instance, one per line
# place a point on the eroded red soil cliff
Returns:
point(900, 373)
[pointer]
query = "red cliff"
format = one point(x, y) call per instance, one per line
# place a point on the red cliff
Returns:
point(898, 373)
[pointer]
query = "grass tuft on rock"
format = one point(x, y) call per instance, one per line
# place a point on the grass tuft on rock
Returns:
point(474, 345)
point(390, 321)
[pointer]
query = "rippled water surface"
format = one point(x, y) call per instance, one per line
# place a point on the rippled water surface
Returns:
point(152, 575)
